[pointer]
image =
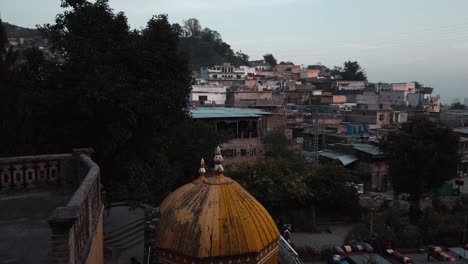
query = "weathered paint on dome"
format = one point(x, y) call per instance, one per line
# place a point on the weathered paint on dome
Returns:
point(215, 218)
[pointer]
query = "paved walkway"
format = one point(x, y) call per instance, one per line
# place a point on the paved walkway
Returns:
point(324, 240)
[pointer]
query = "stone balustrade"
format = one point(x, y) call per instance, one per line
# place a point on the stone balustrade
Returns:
point(31, 172)
point(77, 227)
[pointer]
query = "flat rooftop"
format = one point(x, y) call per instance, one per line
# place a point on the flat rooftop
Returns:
point(225, 112)
point(25, 233)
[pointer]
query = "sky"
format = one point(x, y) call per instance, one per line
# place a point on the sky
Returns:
point(393, 40)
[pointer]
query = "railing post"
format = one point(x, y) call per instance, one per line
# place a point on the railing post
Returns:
point(63, 240)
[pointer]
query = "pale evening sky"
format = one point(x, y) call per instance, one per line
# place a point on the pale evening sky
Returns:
point(394, 40)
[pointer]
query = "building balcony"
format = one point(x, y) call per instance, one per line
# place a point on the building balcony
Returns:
point(51, 209)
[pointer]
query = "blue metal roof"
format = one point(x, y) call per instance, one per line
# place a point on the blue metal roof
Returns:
point(224, 112)
point(463, 130)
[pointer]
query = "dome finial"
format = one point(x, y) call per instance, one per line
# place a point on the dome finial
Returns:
point(201, 172)
point(218, 160)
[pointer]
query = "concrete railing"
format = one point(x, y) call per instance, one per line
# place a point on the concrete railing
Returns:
point(75, 226)
point(32, 172)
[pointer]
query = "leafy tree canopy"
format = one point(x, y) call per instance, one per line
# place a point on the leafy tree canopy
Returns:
point(457, 106)
point(422, 89)
point(270, 59)
point(421, 156)
point(351, 71)
point(122, 92)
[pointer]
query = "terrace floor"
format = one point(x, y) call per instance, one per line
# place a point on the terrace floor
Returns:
point(24, 231)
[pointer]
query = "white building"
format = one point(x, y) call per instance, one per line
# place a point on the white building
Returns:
point(208, 94)
point(225, 72)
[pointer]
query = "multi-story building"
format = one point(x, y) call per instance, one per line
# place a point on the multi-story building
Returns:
point(349, 85)
point(208, 94)
point(52, 209)
point(424, 102)
point(222, 73)
point(371, 113)
point(244, 127)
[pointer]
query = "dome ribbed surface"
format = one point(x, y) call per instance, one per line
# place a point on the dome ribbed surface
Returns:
point(216, 217)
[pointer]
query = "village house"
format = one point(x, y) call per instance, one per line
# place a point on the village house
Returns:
point(208, 94)
point(253, 98)
point(245, 129)
point(222, 73)
point(371, 113)
point(349, 85)
point(365, 161)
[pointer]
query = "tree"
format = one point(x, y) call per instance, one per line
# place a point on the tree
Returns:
point(178, 29)
point(192, 27)
point(122, 92)
point(277, 144)
point(286, 63)
point(270, 59)
point(351, 71)
point(457, 106)
point(277, 182)
point(422, 89)
point(241, 59)
point(422, 155)
point(332, 187)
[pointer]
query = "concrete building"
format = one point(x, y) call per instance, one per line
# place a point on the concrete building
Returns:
point(221, 73)
point(244, 127)
point(463, 151)
point(397, 97)
point(208, 94)
point(349, 85)
point(369, 113)
point(52, 209)
point(309, 73)
point(424, 102)
point(252, 99)
point(365, 161)
point(409, 87)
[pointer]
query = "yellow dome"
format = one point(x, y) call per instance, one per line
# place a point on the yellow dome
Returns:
point(215, 217)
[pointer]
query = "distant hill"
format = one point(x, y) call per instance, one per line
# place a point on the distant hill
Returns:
point(20, 32)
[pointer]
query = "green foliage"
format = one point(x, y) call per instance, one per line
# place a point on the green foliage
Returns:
point(332, 191)
point(270, 59)
point(205, 46)
point(286, 63)
point(422, 155)
point(277, 144)
point(391, 225)
point(457, 106)
point(421, 89)
point(122, 92)
point(351, 71)
point(443, 227)
point(277, 182)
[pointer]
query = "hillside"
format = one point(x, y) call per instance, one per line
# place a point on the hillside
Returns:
point(20, 32)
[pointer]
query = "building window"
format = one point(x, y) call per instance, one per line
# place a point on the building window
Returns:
point(229, 152)
point(253, 152)
point(381, 117)
point(203, 98)
point(381, 106)
point(215, 76)
point(243, 152)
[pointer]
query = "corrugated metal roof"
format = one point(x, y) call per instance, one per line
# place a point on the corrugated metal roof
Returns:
point(345, 159)
point(224, 112)
point(367, 148)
